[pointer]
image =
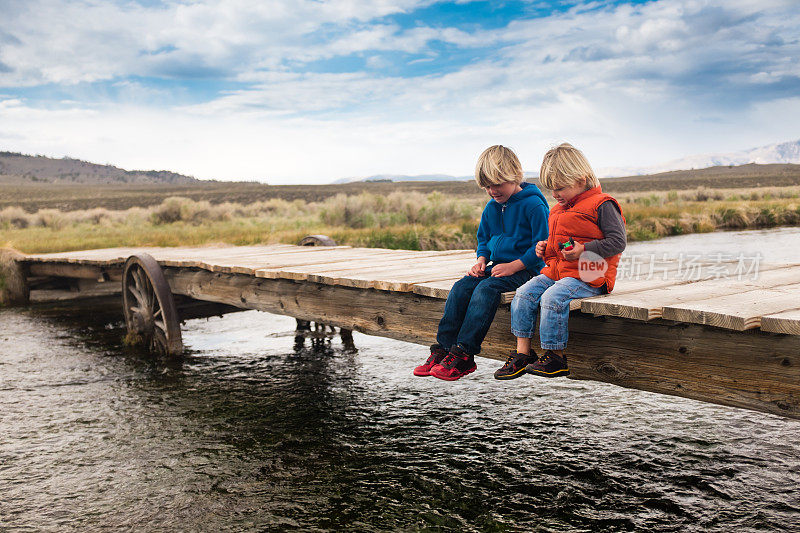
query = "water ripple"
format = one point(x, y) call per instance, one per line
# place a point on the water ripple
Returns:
point(258, 430)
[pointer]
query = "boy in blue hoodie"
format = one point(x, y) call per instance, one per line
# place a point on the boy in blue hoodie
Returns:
point(513, 221)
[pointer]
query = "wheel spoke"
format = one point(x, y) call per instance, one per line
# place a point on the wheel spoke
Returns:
point(146, 290)
point(138, 288)
point(138, 295)
point(137, 278)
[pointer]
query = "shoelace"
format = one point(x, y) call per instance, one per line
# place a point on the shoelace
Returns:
point(448, 360)
point(544, 359)
point(432, 358)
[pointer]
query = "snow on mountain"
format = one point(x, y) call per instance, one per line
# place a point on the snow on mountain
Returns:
point(787, 152)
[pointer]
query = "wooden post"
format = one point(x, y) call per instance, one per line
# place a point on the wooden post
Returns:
point(13, 283)
point(751, 369)
point(305, 325)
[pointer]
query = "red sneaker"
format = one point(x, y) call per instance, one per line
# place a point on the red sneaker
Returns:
point(437, 354)
point(457, 364)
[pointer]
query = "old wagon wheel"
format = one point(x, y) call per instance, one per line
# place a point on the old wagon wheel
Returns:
point(149, 308)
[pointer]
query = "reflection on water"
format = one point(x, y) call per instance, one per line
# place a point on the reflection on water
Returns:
point(259, 429)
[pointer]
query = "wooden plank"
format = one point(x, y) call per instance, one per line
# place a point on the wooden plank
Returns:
point(89, 291)
point(208, 259)
point(329, 272)
point(785, 322)
point(436, 289)
point(649, 304)
point(736, 311)
point(251, 264)
point(396, 277)
point(248, 261)
point(105, 255)
point(354, 262)
point(90, 257)
point(351, 272)
point(68, 270)
point(754, 370)
point(407, 283)
point(252, 261)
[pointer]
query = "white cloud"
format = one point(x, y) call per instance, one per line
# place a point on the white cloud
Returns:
point(76, 41)
point(631, 84)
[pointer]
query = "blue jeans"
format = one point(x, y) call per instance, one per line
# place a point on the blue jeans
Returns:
point(470, 309)
point(554, 298)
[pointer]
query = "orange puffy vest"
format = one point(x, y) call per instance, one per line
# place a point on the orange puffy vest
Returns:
point(578, 219)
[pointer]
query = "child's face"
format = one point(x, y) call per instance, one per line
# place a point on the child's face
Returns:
point(564, 194)
point(502, 192)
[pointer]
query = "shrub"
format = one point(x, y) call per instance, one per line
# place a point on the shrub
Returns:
point(733, 218)
point(50, 218)
point(169, 211)
point(14, 217)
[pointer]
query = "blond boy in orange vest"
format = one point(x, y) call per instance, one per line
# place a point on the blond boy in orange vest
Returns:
point(587, 236)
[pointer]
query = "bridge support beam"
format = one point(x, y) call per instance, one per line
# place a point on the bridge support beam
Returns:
point(752, 370)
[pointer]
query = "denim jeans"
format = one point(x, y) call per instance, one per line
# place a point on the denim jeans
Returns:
point(470, 309)
point(553, 297)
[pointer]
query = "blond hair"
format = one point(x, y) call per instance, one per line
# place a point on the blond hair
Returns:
point(498, 164)
point(564, 166)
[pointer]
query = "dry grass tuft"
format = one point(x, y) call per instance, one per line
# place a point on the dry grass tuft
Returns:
point(14, 217)
point(13, 289)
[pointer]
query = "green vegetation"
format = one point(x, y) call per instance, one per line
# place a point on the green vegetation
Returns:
point(400, 219)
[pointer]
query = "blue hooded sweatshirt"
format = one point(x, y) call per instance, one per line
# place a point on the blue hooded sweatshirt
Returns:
point(511, 230)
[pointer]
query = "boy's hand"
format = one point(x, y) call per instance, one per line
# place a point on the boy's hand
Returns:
point(502, 270)
point(478, 269)
point(575, 253)
point(540, 246)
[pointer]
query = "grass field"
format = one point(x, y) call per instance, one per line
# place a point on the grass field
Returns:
point(417, 216)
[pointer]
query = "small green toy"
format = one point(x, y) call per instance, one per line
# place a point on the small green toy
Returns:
point(568, 245)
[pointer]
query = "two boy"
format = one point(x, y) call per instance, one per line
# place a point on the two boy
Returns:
point(586, 226)
point(513, 221)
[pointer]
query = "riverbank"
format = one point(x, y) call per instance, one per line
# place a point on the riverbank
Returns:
point(398, 220)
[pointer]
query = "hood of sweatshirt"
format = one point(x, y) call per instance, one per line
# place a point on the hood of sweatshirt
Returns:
point(528, 190)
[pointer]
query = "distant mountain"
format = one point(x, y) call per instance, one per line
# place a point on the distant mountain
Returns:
point(20, 168)
point(403, 177)
point(421, 177)
point(785, 153)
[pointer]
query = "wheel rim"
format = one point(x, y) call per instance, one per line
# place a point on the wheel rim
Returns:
point(149, 308)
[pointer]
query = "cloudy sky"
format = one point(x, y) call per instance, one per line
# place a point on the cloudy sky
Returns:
point(309, 91)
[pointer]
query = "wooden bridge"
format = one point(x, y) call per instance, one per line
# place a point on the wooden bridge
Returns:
point(731, 340)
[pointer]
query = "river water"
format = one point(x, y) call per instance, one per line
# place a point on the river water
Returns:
point(258, 429)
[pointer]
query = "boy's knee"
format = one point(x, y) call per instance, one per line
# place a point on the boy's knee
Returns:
point(485, 291)
point(462, 287)
point(518, 304)
point(531, 292)
point(554, 300)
